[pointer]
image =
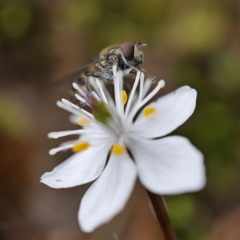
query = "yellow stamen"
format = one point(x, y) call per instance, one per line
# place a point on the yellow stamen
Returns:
point(118, 149)
point(124, 96)
point(83, 121)
point(150, 113)
point(80, 146)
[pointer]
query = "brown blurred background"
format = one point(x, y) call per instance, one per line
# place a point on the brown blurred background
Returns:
point(189, 42)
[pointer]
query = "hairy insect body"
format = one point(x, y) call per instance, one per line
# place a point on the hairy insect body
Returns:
point(127, 57)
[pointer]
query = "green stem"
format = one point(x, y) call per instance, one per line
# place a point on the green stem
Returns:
point(162, 216)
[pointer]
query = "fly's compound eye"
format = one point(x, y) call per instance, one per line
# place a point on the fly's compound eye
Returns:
point(128, 50)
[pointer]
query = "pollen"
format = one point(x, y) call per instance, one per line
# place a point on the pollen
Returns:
point(124, 96)
point(80, 146)
point(150, 113)
point(83, 121)
point(118, 149)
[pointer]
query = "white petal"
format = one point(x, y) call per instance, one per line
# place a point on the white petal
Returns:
point(108, 195)
point(173, 110)
point(169, 165)
point(80, 168)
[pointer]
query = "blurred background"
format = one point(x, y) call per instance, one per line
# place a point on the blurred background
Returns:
point(189, 42)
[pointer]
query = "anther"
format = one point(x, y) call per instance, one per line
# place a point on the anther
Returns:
point(124, 96)
point(150, 113)
point(118, 149)
point(80, 146)
point(83, 121)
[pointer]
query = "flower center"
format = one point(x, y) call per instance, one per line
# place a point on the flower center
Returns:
point(111, 117)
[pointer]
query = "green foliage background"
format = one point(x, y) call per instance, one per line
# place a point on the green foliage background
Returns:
point(189, 42)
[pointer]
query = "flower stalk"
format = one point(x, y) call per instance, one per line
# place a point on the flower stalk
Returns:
point(162, 216)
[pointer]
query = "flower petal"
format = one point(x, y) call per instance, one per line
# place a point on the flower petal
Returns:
point(80, 168)
point(169, 165)
point(172, 110)
point(108, 195)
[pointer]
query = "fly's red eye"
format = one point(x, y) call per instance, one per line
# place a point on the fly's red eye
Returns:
point(128, 50)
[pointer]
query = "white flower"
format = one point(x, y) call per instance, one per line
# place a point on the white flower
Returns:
point(169, 165)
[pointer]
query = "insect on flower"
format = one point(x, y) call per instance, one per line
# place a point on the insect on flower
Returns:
point(127, 57)
point(116, 126)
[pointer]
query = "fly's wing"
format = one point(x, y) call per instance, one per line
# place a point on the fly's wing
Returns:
point(73, 76)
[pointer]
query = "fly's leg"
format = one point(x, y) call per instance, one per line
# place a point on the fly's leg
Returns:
point(152, 77)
